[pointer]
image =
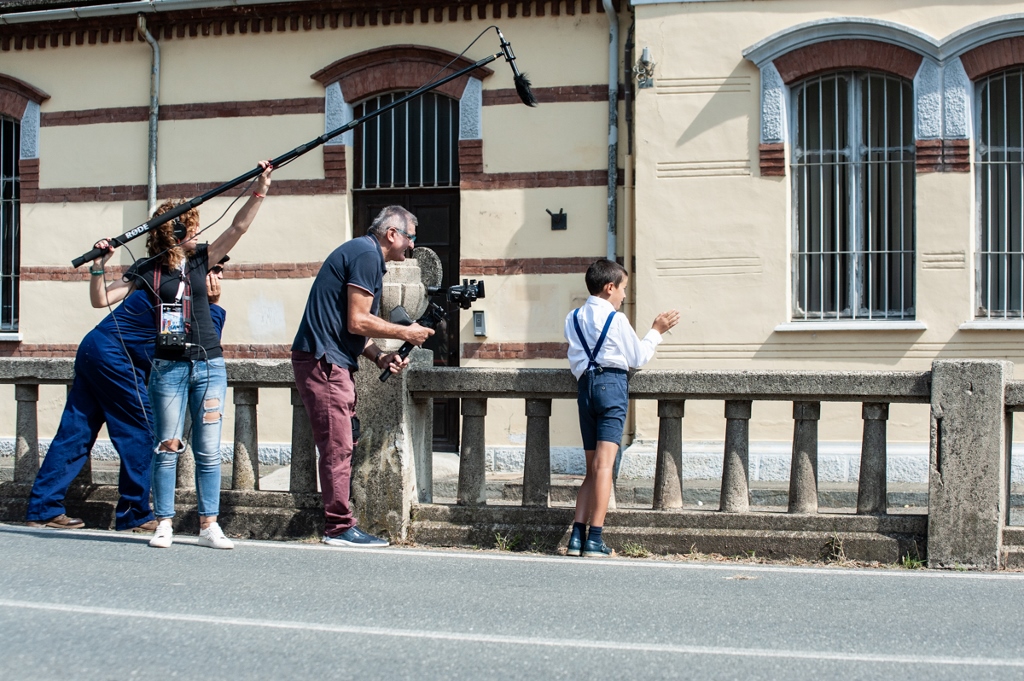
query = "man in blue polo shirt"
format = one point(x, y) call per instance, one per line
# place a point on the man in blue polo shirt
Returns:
point(339, 321)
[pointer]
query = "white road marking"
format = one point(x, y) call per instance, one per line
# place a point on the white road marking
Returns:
point(528, 641)
point(614, 563)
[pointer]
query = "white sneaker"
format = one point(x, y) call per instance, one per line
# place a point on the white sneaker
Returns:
point(214, 537)
point(164, 535)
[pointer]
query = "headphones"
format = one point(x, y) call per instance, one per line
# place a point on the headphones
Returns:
point(180, 230)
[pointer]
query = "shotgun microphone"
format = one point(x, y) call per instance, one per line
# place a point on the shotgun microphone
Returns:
point(521, 81)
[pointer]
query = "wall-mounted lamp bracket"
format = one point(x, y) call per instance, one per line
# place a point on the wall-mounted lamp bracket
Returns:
point(559, 220)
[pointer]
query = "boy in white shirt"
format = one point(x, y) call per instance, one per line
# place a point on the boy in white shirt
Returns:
point(602, 348)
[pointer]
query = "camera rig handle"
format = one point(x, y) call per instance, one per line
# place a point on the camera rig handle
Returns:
point(433, 315)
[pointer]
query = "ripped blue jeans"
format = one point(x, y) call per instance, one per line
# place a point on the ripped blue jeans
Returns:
point(201, 387)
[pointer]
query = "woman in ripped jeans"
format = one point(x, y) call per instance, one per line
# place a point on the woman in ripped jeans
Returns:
point(188, 365)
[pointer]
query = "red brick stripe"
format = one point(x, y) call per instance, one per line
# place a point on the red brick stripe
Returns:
point(773, 159)
point(553, 95)
point(511, 266)
point(943, 156)
point(183, 112)
point(266, 270)
point(472, 175)
point(986, 59)
point(847, 54)
point(514, 350)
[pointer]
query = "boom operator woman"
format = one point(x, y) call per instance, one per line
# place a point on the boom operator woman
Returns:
point(187, 372)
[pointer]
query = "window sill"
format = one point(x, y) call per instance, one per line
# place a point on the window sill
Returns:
point(993, 325)
point(852, 325)
point(10, 336)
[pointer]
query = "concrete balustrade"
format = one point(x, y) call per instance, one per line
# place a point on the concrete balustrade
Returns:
point(968, 489)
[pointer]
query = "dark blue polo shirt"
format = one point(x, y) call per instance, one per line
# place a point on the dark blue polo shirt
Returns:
point(323, 330)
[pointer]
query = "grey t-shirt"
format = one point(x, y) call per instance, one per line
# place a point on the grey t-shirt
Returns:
point(323, 330)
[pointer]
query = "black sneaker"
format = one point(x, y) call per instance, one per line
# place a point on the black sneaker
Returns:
point(597, 549)
point(575, 546)
point(355, 538)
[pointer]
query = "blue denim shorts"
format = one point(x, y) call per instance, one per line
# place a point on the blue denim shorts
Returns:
point(602, 399)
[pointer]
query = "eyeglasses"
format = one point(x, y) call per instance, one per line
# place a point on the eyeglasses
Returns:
point(410, 237)
point(217, 269)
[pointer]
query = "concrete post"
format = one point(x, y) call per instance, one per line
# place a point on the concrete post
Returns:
point(472, 491)
point(803, 473)
point(668, 471)
point(383, 463)
point(871, 489)
point(303, 467)
point(185, 474)
point(736, 462)
point(422, 426)
point(84, 477)
point(245, 468)
point(967, 479)
point(26, 442)
point(537, 466)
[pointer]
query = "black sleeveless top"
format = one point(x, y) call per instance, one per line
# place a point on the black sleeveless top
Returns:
point(200, 332)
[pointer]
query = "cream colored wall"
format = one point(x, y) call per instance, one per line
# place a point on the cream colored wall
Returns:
point(727, 265)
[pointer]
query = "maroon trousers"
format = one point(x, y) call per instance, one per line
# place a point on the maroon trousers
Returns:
point(329, 395)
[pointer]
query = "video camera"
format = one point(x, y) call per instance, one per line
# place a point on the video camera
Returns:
point(463, 296)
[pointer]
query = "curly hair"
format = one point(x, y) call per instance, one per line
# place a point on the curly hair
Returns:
point(161, 239)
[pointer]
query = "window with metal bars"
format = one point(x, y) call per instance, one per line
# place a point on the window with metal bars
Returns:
point(412, 145)
point(10, 223)
point(999, 174)
point(853, 197)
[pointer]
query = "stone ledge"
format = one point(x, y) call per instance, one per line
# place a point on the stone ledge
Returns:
point(884, 538)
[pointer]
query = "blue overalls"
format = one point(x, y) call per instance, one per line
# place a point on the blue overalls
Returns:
point(602, 393)
point(106, 389)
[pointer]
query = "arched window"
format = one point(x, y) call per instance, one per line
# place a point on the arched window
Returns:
point(1000, 185)
point(414, 145)
point(853, 197)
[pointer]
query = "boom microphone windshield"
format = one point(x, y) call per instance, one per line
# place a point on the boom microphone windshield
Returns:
point(521, 81)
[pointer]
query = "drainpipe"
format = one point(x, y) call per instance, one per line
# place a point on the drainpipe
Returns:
point(613, 121)
point(154, 112)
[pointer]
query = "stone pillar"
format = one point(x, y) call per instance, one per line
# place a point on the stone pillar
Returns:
point(736, 462)
point(422, 427)
point(537, 466)
point(668, 471)
point(185, 474)
point(245, 468)
point(472, 491)
point(26, 436)
point(84, 476)
point(303, 466)
point(383, 463)
point(967, 478)
point(803, 473)
point(871, 488)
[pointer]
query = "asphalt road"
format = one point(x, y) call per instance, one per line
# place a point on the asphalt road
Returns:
point(101, 605)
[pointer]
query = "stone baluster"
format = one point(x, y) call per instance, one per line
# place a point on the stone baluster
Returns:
point(736, 462)
point(472, 489)
point(303, 467)
point(423, 448)
point(84, 476)
point(245, 469)
point(803, 474)
point(668, 473)
point(871, 492)
point(537, 467)
point(185, 474)
point(26, 442)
